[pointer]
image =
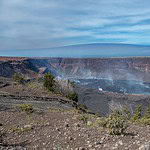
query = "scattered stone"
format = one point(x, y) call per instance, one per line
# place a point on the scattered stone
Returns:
point(120, 142)
point(89, 123)
point(47, 124)
point(145, 146)
point(98, 143)
point(66, 125)
point(70, 138)
point(29, 126)
point(57, 129)
point(80, 148)
point(90, 146)
point(77, 124)
point(65, 133)
point(103, 138)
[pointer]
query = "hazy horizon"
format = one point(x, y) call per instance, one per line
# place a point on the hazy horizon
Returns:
point(84, 50)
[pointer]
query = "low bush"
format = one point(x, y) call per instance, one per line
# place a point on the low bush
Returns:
point(137, 113)
point(18, 77)
point(73, 96)
point(83, 108)
point(147, 112)
point(145, 119)
point(115, 123)
point(84, 118)
point(28, 109)
point(21, 129)
point(126, 112)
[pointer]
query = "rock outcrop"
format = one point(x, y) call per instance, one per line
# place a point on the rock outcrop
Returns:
point(135, 68)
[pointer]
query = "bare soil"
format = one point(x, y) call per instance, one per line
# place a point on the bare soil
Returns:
point(64, 130)
point(55, 124)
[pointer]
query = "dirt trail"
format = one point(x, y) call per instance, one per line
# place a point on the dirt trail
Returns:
point(41, 103)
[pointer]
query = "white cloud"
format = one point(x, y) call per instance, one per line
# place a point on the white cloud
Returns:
point(52, 23)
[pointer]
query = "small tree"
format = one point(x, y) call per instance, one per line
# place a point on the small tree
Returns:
point(49, 82)
point(73, 96)
point(18, 77)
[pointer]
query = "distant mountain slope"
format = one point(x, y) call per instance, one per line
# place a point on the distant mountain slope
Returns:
point(84, 50)
point(102, 50)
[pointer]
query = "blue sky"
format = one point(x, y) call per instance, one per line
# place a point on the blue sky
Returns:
point(29, 24)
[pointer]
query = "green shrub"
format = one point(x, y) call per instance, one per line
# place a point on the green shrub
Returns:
point(139, 118)
point(115, 123)
point(84, 118)
point(49, 82)
point(126, 112)
point(28, 109)
point(145, 121)
point(73, 96)
point(21, 129)
point(83, 108)
point(147, 112)
point(18, 77)
point(137, 113)
point(146, 118)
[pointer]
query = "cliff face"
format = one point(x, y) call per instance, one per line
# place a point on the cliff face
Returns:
point(9, 67)
point(112, 68)
point(137, 68)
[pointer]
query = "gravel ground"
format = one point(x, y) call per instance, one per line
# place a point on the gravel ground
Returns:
point(64, 130)
point(54, 127)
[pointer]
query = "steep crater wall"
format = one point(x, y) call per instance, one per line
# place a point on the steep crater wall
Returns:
point(115, 68)
point(136, 68)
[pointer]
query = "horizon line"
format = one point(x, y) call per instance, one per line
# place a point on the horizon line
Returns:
point(141, 45)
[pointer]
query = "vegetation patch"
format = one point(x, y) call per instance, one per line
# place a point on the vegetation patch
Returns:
point(19, 78)
point(28, 109)
point(84, 118)
point(49, 82)
point(73, 96)
point(59, 86)
point(21, 129)
point(115, 123)
point(137, 114)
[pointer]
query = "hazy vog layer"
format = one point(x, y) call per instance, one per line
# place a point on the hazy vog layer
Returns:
point(83, 51)
point(120, 86)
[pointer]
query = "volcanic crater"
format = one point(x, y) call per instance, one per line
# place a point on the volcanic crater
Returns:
point(103, 84)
